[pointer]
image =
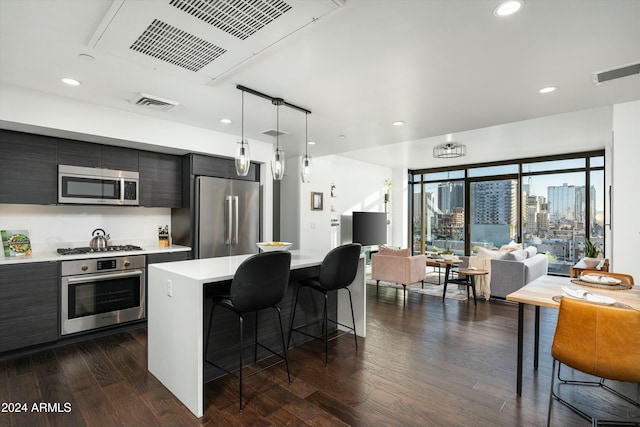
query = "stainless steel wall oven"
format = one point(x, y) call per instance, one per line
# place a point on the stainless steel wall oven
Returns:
point(100, 292)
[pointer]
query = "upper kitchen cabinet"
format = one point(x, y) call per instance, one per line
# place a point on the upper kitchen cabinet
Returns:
point(76, 153)
point(160, 180)
point(29, 169)
point(86, 154)
point(219, 168)
point(119, 158)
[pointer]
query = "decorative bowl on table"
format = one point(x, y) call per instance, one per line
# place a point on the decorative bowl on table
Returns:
point(274, 246)
point(448, 257)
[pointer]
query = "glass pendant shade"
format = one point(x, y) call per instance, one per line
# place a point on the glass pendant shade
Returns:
point(305, 168)
point(277, 164)
point(243, 158)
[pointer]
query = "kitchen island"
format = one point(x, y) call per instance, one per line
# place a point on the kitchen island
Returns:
point(177, 313)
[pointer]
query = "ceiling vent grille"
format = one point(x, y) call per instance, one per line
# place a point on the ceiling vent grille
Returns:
point(175, 46)
point(153, 102)
point(600, 77)
point(239, 18)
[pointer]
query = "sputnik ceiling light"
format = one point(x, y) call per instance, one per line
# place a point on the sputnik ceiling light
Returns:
point(449, 150)
point(243, 157)
point(305, 163)
point(277, 164)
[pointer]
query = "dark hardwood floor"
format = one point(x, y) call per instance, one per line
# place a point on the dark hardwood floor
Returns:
point(423, 363)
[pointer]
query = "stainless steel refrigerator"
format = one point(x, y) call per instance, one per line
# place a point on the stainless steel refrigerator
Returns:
point(227, 217)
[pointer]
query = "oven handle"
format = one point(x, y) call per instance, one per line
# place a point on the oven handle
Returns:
point(107, 276)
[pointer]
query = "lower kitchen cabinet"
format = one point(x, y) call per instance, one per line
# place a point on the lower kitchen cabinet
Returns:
point(167, 257)
point(28, 304)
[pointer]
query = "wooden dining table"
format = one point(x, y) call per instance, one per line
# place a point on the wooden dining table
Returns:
point(540, 293)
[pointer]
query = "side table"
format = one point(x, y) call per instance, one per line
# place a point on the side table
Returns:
point(469, 280)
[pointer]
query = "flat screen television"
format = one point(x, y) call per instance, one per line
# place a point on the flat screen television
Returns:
point(369, 228)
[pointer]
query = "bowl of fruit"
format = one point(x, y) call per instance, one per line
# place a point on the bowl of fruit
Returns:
point(274, 246)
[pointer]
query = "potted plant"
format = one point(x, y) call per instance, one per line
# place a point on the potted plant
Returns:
point(591, 254)
point(388, 184)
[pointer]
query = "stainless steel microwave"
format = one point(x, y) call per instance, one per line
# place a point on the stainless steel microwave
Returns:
point(95, 186)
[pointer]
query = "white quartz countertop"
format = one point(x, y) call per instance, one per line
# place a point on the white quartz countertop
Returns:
point(52, 255)
point(223, 268)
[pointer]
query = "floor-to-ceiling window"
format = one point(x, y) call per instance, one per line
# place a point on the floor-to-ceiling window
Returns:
point(552, 203)
point(438, 212)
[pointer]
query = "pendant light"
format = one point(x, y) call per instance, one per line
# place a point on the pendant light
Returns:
point(305, 163)
point(277, 164)
point(243, 157)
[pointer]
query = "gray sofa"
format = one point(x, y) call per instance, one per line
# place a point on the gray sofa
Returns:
point(509, 276)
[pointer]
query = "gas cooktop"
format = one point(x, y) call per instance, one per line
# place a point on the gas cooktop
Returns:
point(88, 250)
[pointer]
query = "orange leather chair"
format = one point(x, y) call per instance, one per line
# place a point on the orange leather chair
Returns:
point(600, 340)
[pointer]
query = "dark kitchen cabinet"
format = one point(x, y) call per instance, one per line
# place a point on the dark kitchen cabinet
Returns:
point(28, 304)
point(77, 153)
point(119, 158)
point(220, 168)
point(86, 154)
point(29, 170)
point(160, 180)
point(168, 257)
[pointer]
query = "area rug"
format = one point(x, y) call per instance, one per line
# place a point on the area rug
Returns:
point(429, 289)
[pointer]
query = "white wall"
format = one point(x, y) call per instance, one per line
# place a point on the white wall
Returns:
point(51, 227)
point(359, 187)
point(625, 224)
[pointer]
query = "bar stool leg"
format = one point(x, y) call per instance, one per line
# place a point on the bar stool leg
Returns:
point(284, 347)
point(240, 357)
point(293, 315)
point(255, 341)
point(325, 331)
point(353, 319)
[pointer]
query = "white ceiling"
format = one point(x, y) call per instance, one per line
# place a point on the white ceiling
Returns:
point(441, 66)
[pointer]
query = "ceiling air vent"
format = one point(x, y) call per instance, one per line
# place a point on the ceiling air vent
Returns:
point(153, 102)
point(600, 77)
point(273, 132)
point(175, 46)
point(239, 18)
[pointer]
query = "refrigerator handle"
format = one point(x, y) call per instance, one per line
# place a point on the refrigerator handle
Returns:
point(235, 202)
point(228, 209)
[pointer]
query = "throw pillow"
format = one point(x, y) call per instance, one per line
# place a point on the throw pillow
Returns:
point(515, 255)
point(511, 246)
point(531, 251)
point(384, 250)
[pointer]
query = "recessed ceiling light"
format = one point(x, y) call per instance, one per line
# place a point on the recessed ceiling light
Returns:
point(547, 89)
point(71, 82)
point(311, 143)
point(398, 123)
point(507, 8)
point(342, 136)
point(225, 121)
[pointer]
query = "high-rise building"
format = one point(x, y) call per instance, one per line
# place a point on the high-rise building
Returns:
point(450, 196)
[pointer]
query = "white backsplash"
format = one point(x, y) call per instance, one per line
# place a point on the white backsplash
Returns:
point(51, 227)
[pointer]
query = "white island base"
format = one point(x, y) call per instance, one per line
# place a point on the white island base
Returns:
point(175, 317)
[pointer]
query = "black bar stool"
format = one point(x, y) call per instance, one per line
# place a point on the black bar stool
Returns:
point(260, 282)
point(337, 271)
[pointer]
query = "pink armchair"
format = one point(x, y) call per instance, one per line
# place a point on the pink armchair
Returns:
point(398, 266)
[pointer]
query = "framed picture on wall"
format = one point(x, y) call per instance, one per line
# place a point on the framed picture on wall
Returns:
point(316, 201)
